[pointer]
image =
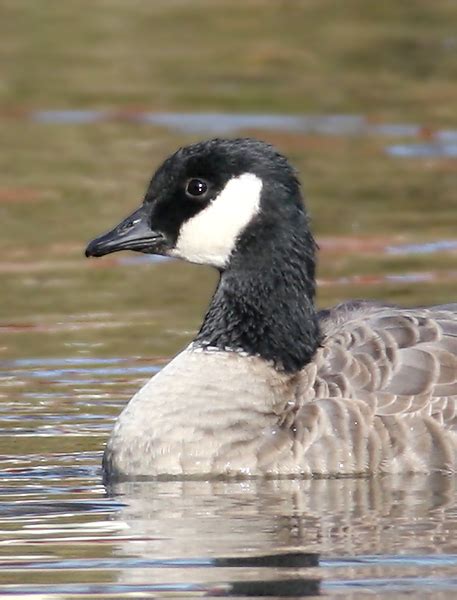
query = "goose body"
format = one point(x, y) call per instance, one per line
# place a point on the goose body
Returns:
point(269, 386)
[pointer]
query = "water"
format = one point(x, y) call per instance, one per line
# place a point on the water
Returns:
point(363, 102)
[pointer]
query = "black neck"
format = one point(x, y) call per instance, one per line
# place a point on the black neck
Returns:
point(264, 302)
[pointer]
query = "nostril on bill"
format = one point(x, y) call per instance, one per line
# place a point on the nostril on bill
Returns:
point(129, 224)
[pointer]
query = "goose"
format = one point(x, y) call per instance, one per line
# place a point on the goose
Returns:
point(270, 387)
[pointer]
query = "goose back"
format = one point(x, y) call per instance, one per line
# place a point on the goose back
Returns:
point(381, 392)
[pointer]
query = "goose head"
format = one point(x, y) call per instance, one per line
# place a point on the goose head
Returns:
point(204, 198)
point(235, 205)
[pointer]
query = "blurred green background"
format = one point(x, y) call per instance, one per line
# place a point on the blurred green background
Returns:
point(63, 183)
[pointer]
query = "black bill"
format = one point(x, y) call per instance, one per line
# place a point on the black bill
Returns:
point(133, 233)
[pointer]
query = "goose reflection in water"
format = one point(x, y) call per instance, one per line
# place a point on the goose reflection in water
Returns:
point(367, 528)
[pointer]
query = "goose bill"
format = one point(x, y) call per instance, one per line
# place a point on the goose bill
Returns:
point(133, 233)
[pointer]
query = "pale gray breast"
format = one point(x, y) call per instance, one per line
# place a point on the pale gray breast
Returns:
point(205, 412)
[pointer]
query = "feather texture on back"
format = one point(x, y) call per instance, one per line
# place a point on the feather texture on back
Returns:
point(381, 392)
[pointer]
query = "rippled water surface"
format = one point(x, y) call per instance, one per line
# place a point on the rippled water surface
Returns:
point(362, 99)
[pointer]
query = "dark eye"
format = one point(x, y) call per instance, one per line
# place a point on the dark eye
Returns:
point(196, 188)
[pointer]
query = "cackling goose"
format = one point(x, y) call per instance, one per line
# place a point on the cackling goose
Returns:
point(269, 386)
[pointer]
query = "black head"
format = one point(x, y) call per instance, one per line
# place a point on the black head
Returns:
point(203, 197)
point(235, 205)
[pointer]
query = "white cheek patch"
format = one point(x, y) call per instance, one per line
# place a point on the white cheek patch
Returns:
point(210, 236)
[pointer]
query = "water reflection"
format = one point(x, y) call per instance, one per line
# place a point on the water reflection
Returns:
point(393, 535)
point(330, 516)
point(345, 521)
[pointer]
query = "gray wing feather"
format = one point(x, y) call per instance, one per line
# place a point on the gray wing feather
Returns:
point(406, 358)
point(384, 395)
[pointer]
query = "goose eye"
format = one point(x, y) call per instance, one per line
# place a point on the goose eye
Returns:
point(196, 188)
